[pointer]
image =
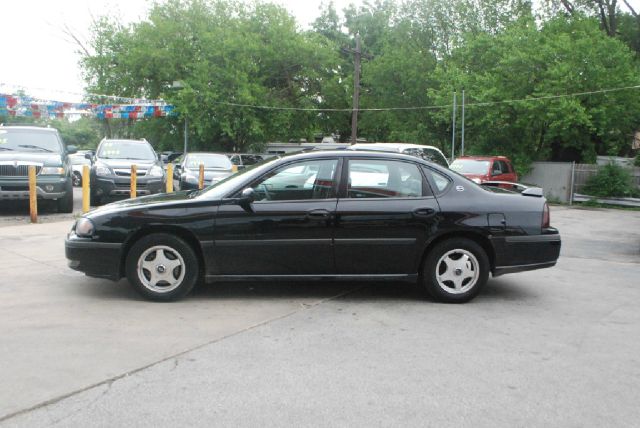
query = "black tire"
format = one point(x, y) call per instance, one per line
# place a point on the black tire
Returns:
point(468, 269)
point(77, 179)
point(95, 200)
point(65, 204)
point(170, 284)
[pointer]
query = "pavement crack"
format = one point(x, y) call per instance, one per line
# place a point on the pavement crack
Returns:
point(109, 382)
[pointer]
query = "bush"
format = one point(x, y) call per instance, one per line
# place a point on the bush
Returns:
point(611, 181)
point(636, 162)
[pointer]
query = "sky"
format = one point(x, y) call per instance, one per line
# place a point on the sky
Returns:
point(37, 56)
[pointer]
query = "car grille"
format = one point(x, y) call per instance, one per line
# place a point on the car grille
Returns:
point(127, 172)
point(17, 170)
point(127, 185)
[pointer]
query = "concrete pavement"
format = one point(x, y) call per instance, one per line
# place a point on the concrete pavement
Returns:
point(555, 347)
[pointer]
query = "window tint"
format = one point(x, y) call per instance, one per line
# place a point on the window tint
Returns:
point(441, 181)
point(383, 179)
point(298, 181)
point(496, 168)
point(504, 167)
point(435, 156)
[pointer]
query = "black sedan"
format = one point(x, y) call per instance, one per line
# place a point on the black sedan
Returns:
point(320, 215)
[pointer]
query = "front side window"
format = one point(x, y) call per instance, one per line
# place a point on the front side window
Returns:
point(371, 178)
point(314, 179)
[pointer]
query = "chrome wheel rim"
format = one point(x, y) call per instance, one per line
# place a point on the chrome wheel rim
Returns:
point(77, 180)
point(161, 269)
point(457, 271)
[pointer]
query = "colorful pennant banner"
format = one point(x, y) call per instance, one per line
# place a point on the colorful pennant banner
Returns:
point(11, 105)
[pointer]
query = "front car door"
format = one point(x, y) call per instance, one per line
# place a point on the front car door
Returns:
point(385, 214)
point(288, 230)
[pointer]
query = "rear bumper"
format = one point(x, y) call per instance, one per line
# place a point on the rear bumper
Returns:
point(527, 252)
point(97, 259)
point(46, 188)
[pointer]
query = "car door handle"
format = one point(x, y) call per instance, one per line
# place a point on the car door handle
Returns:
point(318, 214)
point(424, 212)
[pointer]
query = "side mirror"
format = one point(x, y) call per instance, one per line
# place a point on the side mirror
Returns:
point(72, 149)
point(248, 195)
point(88, 156)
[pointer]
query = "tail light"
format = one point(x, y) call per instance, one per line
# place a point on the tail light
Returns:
point(546, 217)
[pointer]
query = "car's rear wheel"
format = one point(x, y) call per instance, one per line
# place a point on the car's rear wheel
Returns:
point(162, 267)
point(455, 270)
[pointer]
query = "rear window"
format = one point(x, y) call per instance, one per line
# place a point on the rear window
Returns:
point(470, 166)
point(29, 141)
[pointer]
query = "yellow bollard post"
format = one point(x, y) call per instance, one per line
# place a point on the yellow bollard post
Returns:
point(234, 168)
point(33, 195)
point(134, 181)
point(170, 178)
point(85, 188)
point(201, 177)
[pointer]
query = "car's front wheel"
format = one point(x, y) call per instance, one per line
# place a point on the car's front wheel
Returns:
point(77, 179)
point(455, 270)
point(162, 267)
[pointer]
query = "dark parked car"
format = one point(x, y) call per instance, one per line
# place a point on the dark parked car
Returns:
point(320, 215)
point(23, 146)
point(111, 170)
point(216, 167)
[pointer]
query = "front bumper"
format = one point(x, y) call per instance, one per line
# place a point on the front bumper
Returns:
point(46, 188)
point(118, 187)
point(97, 259)
point(527, 252)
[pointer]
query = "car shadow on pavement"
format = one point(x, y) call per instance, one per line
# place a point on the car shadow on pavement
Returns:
point(495, 290)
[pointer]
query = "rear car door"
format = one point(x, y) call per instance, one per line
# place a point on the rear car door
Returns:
point(385, 214)
point(289, 228)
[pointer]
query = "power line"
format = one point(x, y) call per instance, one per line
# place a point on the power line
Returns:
point(337, 110)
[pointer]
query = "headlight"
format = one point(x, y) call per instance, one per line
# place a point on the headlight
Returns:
point(103, 170)
point(156, 171)
point(476, 180)
point(84, 227)
point(52, 170)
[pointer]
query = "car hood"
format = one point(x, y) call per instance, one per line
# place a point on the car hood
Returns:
point(50, 159)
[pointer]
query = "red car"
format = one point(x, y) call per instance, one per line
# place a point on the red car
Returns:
point(485, 168)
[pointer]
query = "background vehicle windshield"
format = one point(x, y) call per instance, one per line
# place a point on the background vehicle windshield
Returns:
point(120, 149)
point(470, 166)
point(28, 141)
point(210, 161)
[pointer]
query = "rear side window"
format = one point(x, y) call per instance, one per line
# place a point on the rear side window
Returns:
point(372, 178)
point(440, 181)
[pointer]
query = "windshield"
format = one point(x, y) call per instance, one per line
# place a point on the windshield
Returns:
point(470, 166)
point(28, 141)
point(121, 149)
point(210, 161)
point(223, 187)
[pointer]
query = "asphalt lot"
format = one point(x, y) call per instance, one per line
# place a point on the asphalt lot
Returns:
point(555, 347)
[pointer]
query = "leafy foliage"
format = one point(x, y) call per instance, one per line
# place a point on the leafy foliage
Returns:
point(611, 181)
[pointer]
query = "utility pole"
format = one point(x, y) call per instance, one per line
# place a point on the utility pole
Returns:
point(356, 91)
point(462, 145)
point(186, 134)
point(453, 127)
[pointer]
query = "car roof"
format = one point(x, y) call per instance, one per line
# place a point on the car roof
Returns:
point(392, 146)
point(28, 128)
point(483, 157)
point(355, 153)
